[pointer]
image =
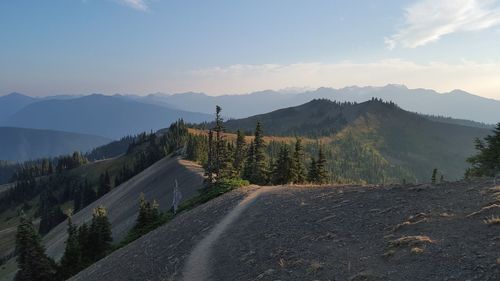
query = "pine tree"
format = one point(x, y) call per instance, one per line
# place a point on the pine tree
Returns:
point(32, 261)
point(100, 233)
point(259, 171)
point(148, 214)
point(223, 165)
point(434, 176)
point(239, 153)
point(71, 261)
point(321, 172)
point(298, 168)
point(283, 168)
point(312, 176)
point(209, 167)
point(487, 161)
point(249, 163)
point(104, 184)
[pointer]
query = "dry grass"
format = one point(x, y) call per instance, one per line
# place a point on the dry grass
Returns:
point(416, 250)
point(493, 220)
point(412, 220)
point(484, 209)
point(412, 241)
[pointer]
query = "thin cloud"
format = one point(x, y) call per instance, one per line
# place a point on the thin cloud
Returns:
point(136, 4)
point(428, 20)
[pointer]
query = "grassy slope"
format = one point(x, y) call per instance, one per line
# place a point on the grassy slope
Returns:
point(403, 138)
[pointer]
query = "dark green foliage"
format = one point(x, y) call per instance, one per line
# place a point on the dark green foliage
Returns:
point(318, 173)
point(299, 175)
point(149, 218)
point(434, 176)
point(196, 148)
point(283, 173)
point(487, 161)
point(249, 162)
point(113, 149)
point(86, 244)
point(70, 162)
point(312, 175)
point(104, 184)
point(214, 191)
point(33, 263)
point(71, 261)
point(259, 163)
point(99, 234)
point(239, 153)
point(219, 165)
point(321, 168)
point(50, 212)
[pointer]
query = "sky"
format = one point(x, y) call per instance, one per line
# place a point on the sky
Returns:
point(232, 47)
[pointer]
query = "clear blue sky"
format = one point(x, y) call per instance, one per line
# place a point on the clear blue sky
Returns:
point(140, 46)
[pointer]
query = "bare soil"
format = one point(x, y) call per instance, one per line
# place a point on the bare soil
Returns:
point(353, 233)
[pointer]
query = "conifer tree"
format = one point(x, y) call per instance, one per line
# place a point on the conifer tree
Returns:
point(249, 162)
point(298, 168)
point(239, 153)
point(149, 215)
point(104, 184)
point(32, 261)
point(487, 161)
point(321, 172)
point(312, 176)
point(100, 233)
point(259, 171)
point(283, 168)
point(71, 261)
point(434, 176)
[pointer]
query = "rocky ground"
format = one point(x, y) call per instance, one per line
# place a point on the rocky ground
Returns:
point(449, 231)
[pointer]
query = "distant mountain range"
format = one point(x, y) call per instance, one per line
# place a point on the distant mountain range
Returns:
point(404, 139)
point(18, 144)
point(456, 104)
point(108, 116)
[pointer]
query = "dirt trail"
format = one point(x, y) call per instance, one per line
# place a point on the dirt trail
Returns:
point(197, 265)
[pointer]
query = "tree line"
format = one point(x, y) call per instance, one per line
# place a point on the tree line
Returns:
point(224, 159)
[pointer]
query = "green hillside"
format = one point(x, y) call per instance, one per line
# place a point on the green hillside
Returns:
point(372, 136)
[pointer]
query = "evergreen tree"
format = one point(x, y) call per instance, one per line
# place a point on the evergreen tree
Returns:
point(85, 244)
point(239, 153)
point(321, 172)
point(298, 168)
point(50, 212)
point(434, 176)
point(104, 184)
point(100, 234)
point(259, 171)
point(88, 194)
point(249, 163)
point(32, 261)
point(71, 261)
point(209, 167)
point(148, 217)
point(223, 165)
point(283, 173)
point(487, 161)
point(312, 176)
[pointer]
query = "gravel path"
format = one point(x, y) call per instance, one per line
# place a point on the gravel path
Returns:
point(197, 267)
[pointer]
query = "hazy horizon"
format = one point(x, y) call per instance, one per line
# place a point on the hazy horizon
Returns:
point(142, 46)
